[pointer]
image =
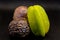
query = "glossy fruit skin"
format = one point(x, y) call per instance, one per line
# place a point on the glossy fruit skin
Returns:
point(38, 20)
point(20, 13)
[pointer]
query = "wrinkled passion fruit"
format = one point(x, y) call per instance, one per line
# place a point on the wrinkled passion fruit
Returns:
point(19, 24)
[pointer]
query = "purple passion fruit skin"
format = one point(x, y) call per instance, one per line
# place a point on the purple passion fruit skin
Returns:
point(20, 13)
point(20, 27)
point(19, 24)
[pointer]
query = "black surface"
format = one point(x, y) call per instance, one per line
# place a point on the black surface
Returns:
point(52, 8)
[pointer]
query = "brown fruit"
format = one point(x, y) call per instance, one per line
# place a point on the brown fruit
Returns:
point(20, 27)
point(20, 13)
point(19, 24)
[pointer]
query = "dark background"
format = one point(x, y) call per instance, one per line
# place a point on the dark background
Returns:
point(52, 8)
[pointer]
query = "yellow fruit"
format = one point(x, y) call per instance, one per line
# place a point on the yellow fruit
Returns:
point(38, 20)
